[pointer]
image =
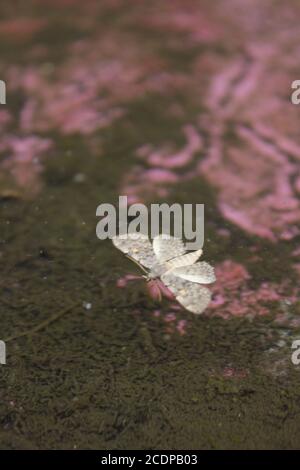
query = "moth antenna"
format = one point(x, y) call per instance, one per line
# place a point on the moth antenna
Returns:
point(136, 262)
point(160, 295)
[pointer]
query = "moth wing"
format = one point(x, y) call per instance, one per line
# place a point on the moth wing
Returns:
point(201, 272)
point(167, 247)
point(184, 260)
point(137, 246)
point(190, 295)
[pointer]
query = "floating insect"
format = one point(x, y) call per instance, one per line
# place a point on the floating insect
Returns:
point(167, 260)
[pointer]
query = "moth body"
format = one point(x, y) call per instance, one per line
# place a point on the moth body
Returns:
point(166, 261)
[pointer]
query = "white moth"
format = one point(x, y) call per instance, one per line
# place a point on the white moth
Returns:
point(166, 259)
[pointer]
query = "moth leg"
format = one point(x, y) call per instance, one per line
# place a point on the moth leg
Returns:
point(154, 290)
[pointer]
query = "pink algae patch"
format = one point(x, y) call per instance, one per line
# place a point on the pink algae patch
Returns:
point(231, 275)
point(254, 191)
point(232, 296)
point(184, 20)
point(250, 128)
point(87, 92)
point(166, 158)
point(20, 29)
point(23, 161)
point(5, 118)
point(253, 153)
point(161, 171)
point(230, 372)
point(92, 88)
point(247, 129)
